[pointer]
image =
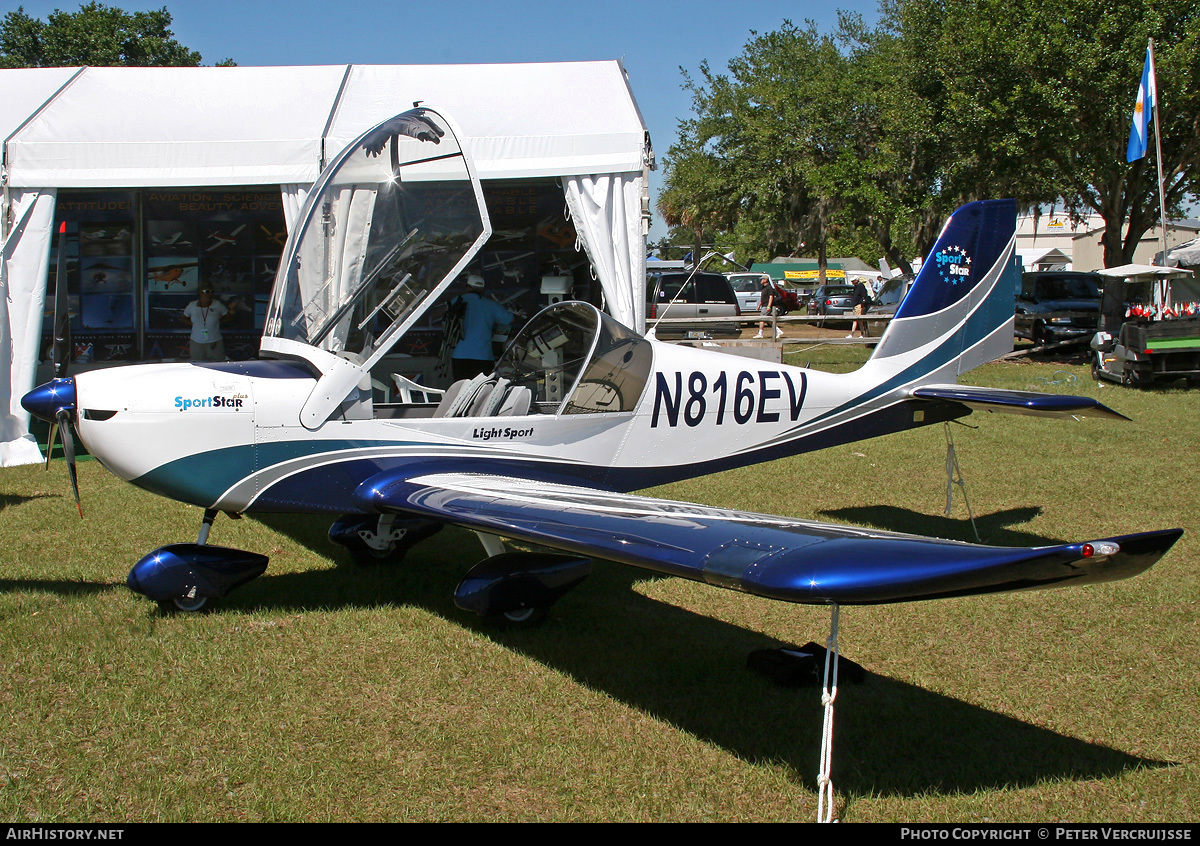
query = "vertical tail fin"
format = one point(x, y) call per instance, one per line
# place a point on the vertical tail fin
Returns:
point(958, 314)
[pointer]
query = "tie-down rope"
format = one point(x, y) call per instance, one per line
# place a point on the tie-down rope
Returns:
point(828, 694)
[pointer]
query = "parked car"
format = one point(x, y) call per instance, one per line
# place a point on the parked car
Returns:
point(888, 300)
point(748, 287)
point(891, 295)
point(1055, 306)
point(832, 299)
point(685, 295)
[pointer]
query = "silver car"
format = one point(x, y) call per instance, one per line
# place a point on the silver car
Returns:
point(681, 295)
point(748, 288)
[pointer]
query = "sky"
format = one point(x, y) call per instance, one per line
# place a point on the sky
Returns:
point(653, 38)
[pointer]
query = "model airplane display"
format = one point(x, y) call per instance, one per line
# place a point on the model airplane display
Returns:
point(579, 412)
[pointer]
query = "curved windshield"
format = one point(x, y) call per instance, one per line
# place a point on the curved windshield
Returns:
point(392, 221)
point(893, 290)
point(573, 350)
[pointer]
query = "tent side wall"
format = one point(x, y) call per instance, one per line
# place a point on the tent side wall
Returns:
point(130, 128)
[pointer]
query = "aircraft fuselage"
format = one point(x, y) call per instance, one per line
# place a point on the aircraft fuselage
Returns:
point(229, 436)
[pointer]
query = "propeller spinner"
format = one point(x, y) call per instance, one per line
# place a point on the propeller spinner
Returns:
point(54, 402)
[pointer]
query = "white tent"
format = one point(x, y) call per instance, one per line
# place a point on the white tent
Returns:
point(1137, 272)
point(1044, 258)
point(1161, 276)
point(1185, 255)
point(192, 127)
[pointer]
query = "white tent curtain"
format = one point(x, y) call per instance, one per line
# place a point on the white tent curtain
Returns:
point(23, 266)
point(294, 195)
point(607, 210)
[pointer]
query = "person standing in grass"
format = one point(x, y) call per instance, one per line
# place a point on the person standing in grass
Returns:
point(766, 306)
point(860, 299)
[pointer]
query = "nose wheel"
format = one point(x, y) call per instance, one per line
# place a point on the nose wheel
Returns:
point(183, 577)
point(188, 605)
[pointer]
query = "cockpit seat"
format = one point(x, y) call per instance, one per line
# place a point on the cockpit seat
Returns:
point(484, 396)
point(460, 396)
point(487, 401)
point(517, 400)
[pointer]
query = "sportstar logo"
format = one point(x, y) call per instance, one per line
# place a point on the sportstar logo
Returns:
point(235, 401)
point(953, 265)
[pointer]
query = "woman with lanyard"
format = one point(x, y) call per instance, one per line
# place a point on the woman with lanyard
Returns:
point(206, 316)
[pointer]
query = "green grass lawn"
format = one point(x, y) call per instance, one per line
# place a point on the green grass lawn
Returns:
point(323, 691)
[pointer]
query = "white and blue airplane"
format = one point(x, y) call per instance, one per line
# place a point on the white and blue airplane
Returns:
point(579, 412)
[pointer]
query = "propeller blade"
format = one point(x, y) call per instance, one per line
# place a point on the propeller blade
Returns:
point(68, 441)
point(50, 442)
point(62, 317)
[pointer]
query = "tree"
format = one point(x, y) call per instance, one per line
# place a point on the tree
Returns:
point(96, 35)
point(1036, 99)
point(889, 129)
point(802, 145)
point(748, 159)
point(693, 200)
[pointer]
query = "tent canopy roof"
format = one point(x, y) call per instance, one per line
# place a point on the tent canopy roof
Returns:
point(159, 127)
point(1145, 271)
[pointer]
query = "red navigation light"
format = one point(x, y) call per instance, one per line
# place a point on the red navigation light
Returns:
point(1088, 550)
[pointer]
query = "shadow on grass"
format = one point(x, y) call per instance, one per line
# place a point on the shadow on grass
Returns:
point(11, 500)
point(995, 529)
point(59, 588)
point(892, 738)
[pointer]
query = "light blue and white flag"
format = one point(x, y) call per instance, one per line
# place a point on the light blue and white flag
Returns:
point(1147, 99)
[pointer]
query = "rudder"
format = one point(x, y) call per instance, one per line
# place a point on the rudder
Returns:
point(959, 311)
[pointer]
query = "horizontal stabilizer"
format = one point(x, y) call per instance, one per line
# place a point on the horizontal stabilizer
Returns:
point(776, 557)
point(1017, 402)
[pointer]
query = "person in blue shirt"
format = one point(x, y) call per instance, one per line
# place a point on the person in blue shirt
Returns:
point(473, 354)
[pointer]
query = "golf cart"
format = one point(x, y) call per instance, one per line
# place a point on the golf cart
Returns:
point(1144, 336)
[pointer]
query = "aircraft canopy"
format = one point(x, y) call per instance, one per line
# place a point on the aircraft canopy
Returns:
point(387, 228)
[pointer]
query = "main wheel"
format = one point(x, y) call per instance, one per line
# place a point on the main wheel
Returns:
point(522, 618)
point(366, 556)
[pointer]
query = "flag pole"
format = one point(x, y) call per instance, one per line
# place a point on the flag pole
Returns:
point(1162, 200)
point(1165, 293)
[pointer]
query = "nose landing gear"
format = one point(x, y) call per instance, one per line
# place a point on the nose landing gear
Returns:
point(185, 576)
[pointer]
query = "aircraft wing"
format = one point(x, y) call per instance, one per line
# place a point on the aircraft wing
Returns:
point(775, 557)
point(1017, 402)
